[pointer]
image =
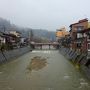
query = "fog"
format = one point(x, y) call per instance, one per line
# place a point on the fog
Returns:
point(44, 14)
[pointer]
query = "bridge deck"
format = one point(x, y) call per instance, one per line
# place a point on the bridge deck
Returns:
point(45, 43)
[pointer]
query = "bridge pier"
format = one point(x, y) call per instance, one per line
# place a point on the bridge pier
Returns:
point(41, 47)
point(49, 46)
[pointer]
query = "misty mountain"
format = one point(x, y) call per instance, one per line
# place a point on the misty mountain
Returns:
point(44, 33)
point(6, 26)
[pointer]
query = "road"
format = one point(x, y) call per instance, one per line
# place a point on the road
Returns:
point(42, 70)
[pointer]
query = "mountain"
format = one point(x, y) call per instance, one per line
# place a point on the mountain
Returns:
point(6, 26)
point(41, 33)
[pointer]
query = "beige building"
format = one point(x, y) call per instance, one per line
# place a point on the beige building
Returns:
point(16, 33)
point(61, 32)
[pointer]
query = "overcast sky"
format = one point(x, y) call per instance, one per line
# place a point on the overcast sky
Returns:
point(44, 14)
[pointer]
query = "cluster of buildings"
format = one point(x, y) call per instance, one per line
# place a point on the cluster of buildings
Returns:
point(61, 35)
point(12, 39)
point(78, 38)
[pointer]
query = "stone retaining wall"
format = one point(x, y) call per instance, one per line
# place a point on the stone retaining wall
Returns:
point(9, 55)
point(77, 59)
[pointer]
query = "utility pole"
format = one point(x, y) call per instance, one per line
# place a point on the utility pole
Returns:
point(31, 35)
point(4, 28)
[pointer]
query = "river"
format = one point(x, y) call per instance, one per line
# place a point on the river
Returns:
point(42, 70)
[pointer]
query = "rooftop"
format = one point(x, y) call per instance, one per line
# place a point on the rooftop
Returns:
point(80, 21)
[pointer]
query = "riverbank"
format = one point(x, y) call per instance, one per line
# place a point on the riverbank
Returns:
point(11, 54)
point(78, 59)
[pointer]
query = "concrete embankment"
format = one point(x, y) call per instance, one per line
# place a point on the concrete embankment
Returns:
point(11, 54)
point(78, 59)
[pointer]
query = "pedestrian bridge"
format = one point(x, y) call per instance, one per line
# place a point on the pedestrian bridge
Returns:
point(54, 45)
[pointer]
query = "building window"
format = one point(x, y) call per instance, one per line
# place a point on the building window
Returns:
point(88, 35)
point(79, 45)
point(89, 46)
point(79, 28)
point(85, 35)
point(79, 35)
